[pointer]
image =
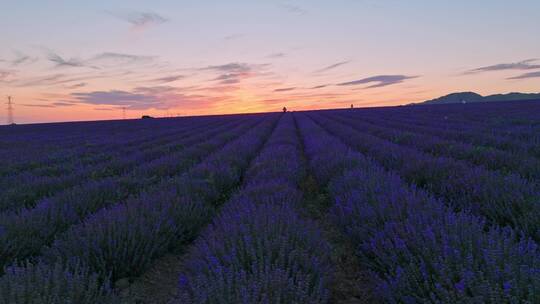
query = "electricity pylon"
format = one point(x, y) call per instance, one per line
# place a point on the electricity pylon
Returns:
point(10, 111)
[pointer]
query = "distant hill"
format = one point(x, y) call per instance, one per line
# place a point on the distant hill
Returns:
point(468, 97)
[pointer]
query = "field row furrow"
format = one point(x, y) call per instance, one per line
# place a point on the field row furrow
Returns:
point(412, 204)
point(418, 250)
point(518, 119)
point(67, 158)
point(503, 199)
point(492, 159)
point(521, 134)
point(122, 241)
point(502, 141)
point(30, 154)
point(258, 249)
point(27, 231)
point(27, 190)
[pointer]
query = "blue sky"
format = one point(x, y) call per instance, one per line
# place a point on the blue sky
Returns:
point(77, 60)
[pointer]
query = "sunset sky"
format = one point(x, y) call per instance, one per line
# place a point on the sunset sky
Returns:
point(87, 60)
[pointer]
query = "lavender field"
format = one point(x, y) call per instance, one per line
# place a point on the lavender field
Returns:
point(411, 204)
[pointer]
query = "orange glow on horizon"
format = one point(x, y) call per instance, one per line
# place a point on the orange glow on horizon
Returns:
point(194, 98)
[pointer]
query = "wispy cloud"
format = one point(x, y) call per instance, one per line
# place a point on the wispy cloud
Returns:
point(527, 75)
point(61, 62)
point(41, 80)
point(77, 85)
point(319, 86)
point(38, 105)
point(168, 79)
point(233, 37)
point(139, 20)
point(231, 78)
point(381, 81)
point(276, 55)
point(521, 65)
point(55, 79)
point(63, 104)
point(300, 95)
point(285, 89)
point(295, 9)
point(117, 98)
point(22, 59)
point(5, 74)
point(232, 73)
point(99, 61)
point(234, 67)
point(104, 65)
point(120, 58)
point(156, 90)
point(332, 66)
point(50, 105)
point(218, 89)
point(143, 98)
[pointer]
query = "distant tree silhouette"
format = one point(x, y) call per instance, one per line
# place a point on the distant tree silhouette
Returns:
point(352, 106)
point(284, 109)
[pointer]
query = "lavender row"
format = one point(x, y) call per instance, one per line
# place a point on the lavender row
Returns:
point(526, 142)
point(520, 132)
point(26, 232)
point(453, 119)
point(503, 199)
point(508, 141)
point(62, 159)
point(419, 250)
point(88, 155)
point(493, 159)
point(26, 190)
point(29, 189)
point(22, 150)
point(258, 249)
point(124, 240)
point(518, 118)
point(93, 132)
point(33, 153)
point(483, 141)
point(42, 283)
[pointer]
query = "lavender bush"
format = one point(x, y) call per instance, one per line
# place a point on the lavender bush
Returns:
point(259, 250)
point(490, 158)
point(257, 253)
point(122, 241)
point(439, 203)
point(419, 250)
point(503, 199)
point(29, 230)
point(40, 283)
